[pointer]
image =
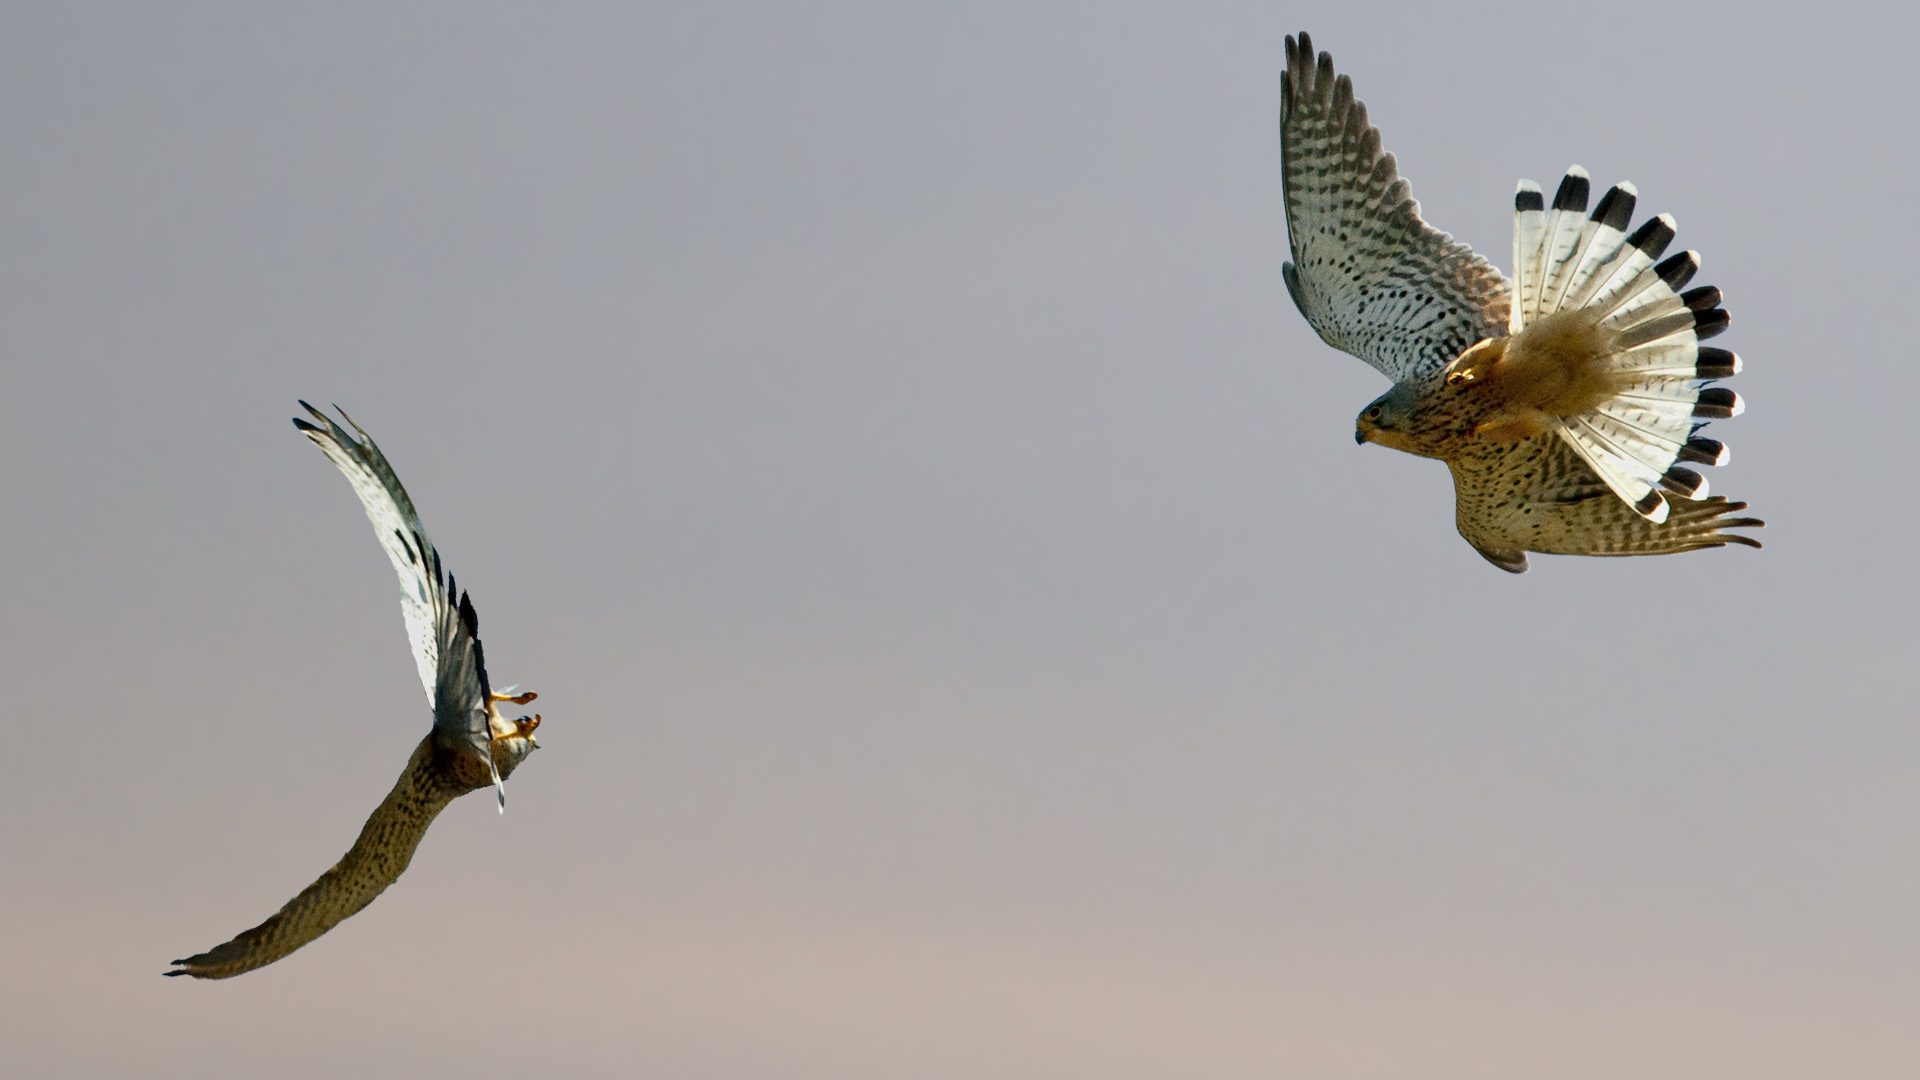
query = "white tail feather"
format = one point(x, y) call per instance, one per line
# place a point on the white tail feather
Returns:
point(1564, 260)
point(1529, 228)
point(499, 785)
point(1601, 244)
point(1671, 357)
point(1624, 475)
point(1566, 221)
point(1624, 276)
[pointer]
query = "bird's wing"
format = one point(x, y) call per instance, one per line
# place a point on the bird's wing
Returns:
point(1539, 495)
point(445, 634)
point(461, 692)
point(425, 599)
point(377, 859)
point(1371, 277)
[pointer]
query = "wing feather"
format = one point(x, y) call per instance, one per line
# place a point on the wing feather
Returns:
point(1539, 495)
point(445, 634)
point(461, 692)
point(425, 600)
point(1371, 277)
point(376, 860)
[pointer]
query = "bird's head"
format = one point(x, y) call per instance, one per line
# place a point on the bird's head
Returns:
point(1385, 420)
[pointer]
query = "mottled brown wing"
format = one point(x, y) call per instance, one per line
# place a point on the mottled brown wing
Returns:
point(1371, 277)
point(377, 860)
point(1537, 495)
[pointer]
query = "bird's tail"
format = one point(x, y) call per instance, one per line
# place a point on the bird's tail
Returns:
point(1566, 259)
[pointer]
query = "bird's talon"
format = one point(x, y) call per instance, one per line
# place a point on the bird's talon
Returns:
point(523, 728)
point(517, 699)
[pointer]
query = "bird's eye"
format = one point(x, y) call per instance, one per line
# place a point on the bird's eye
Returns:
point(1373, 413)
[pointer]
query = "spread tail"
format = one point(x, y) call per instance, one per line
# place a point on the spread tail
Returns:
point(1566, 259)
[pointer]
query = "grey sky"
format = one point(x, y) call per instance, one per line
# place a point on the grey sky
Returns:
point(970, 642)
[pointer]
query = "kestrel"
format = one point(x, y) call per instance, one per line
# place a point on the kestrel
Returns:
point(470, 747)
point(1566, 415)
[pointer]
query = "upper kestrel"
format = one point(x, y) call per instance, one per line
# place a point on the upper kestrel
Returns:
point(1564, 417)
point(470, 747)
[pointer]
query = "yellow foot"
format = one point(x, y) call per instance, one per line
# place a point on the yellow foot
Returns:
point(523, 728)
point(517, 699)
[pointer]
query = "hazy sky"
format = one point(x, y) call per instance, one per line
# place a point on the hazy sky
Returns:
point(970, 642)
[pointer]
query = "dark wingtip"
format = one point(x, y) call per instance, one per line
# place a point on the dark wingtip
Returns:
point(1512, 560)
point(1528, 199)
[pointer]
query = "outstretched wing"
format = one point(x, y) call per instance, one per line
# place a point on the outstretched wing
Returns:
point(1538, 495)
point(1371, 277)
point(377, 860)
point(445, 635)
point(425, 600)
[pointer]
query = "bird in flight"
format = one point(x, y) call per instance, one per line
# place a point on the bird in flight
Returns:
point(1568, 402)
point(470, 746)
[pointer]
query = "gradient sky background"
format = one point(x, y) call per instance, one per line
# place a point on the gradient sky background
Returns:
point(970, 642)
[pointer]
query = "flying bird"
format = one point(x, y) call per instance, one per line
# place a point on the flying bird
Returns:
point(470, 746)
point(1567, 403)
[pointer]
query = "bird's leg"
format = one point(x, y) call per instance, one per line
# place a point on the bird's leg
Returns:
point(517, 699)
point(499, 727)
point(522, 729)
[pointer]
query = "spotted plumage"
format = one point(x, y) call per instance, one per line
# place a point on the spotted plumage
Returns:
point(1565, 401)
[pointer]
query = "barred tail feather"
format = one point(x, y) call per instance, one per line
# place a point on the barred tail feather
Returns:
point(1638, 251)
point(1635, 440)
point(1529, 230)
point(1630, 478)
point(1566, 224)
point(1652, 421)
point(1602, 241)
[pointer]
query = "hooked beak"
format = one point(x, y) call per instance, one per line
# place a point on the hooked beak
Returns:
point(1359, 436)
